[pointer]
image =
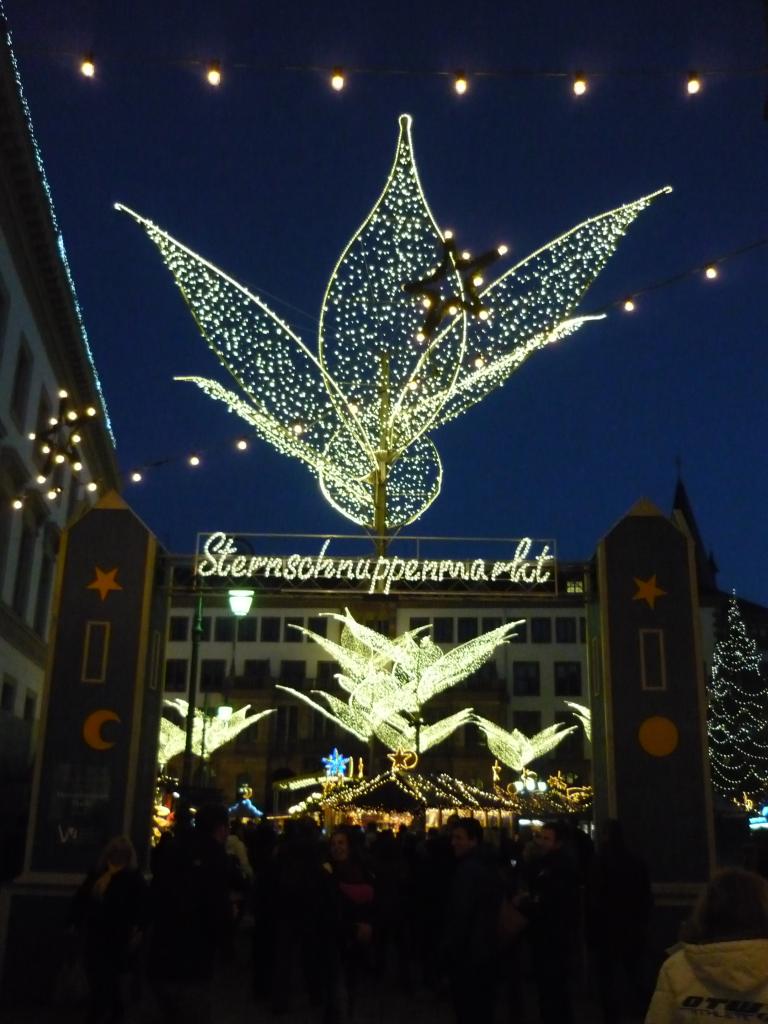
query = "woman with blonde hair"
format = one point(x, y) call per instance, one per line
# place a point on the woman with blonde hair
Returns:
point(721, 968)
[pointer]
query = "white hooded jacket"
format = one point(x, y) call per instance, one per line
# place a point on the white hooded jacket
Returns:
point(716, 981)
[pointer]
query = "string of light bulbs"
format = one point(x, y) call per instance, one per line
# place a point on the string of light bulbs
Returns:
point(691, 81)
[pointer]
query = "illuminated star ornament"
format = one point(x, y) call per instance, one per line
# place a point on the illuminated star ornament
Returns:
point(104, 582)
point(410, 337)
point(335, 764)
point(648, 591)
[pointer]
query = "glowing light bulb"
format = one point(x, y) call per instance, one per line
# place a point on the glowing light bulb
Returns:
point(479, 362)
point(694, 84)
point(629, 305)
point(477, 280)
point(502, 250)
point(71, 415)
point(136, 477)
point(426, 303)
point(45, 449)
point(194, 460)
point(241, 445)
point(711, 272)
point(213, 73)
point(466, 255)
point(453, 309)
point(92, 486)
point(420, 336)
point(87, 66)
point(18, 503)
point(41, 478)
point(412, 385)
point(59, 458)
point(53, 422)
point(484, 314)
point(77, 466)
point(51, 494)
point(337, 79)
point(297, 428)
point(90, 411)
point(460, 83)
point(63, 393)
point(32, 436)
point(76, 439)
point(579, 84)
point(448, 234)
point(354, 408)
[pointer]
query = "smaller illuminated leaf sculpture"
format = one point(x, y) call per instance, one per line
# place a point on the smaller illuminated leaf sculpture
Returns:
point(514, 748)
point(584, 715)
point(410, 337)
point(388, 681)
point(215, 731)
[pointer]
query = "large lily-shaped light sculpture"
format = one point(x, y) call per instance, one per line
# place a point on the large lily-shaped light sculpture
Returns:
point(410, 337)
point(388, 682)
point(516, 750)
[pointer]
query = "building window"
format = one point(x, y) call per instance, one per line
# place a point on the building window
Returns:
point(30, 706)
point(8, 694)
point(176, 675)
point(582, 630)
point(527, 722)
point(488, 624)
point(293, 673)
point(95, 652)
point(525, 679)
point(466, 629)
point(291, 634)
point(205, 627)
point(178, 627)
point(246, 629)
point(256, 673)
point(285, 723)
point(541, 631)
point(224, 629)
point(323, 728)
point(442, 630)
point(247, 737)
point(565, 630)
point(213, 672)
point(574, 587)
point(270, 630)
point(652, 667)
point(520, 636)
point(318, 624)
point(22, 378)
point(417, 621)
point(486, 677)
point(567, 679)
point(326, 670)
point(24, 563)
point(571, 748)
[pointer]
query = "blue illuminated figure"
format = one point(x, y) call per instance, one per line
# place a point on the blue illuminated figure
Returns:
point(336, 764)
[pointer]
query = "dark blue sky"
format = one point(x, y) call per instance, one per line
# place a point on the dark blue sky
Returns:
point(269, 175)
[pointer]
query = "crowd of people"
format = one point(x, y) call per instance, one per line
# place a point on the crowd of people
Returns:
point(498, 927)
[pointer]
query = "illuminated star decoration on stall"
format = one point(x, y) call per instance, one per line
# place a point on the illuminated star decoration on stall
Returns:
point(104, 581)
point(403, 760)
point(648, 591)
point(336, 764)
point(388, 682)
point(408, 340)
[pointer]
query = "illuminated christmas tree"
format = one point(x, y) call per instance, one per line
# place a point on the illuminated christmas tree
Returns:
point(410, 337)
point(738, 714)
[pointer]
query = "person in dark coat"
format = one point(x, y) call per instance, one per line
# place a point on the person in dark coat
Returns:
point(109, 913)
point(552, 908)
point(472, 924)
point(618, 908)
point(191, 917)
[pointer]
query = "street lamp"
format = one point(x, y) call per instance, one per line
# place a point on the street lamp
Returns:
point(239, 604)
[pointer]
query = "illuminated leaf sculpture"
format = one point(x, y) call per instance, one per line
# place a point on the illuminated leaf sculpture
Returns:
point(388, 681)
point(583, 714)
point(410, 337)
point(517, 750)
point(208, 733)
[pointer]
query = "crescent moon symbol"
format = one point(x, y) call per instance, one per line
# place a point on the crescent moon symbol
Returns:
point(93, 725)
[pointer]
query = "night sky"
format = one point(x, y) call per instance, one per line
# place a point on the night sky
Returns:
point(270, 174)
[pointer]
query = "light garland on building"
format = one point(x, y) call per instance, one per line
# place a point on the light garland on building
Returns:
point(358, 414)
point(209, 732)
point(388, 682)
point(738, 714)
point(517, 750)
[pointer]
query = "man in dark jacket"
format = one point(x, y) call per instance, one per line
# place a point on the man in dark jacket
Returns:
point(472, 924)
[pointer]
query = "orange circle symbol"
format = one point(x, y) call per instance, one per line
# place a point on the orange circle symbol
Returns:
point(658, 736)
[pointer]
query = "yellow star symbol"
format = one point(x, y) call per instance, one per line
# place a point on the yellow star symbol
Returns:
point(104, 582)
point(403, 760)
point(647, 590)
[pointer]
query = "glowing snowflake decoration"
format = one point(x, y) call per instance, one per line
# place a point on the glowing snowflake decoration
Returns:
point(335, 764)
point(389, 681)
point(388, 371)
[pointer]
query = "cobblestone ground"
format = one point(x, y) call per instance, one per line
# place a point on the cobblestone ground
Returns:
point(380, 1002)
